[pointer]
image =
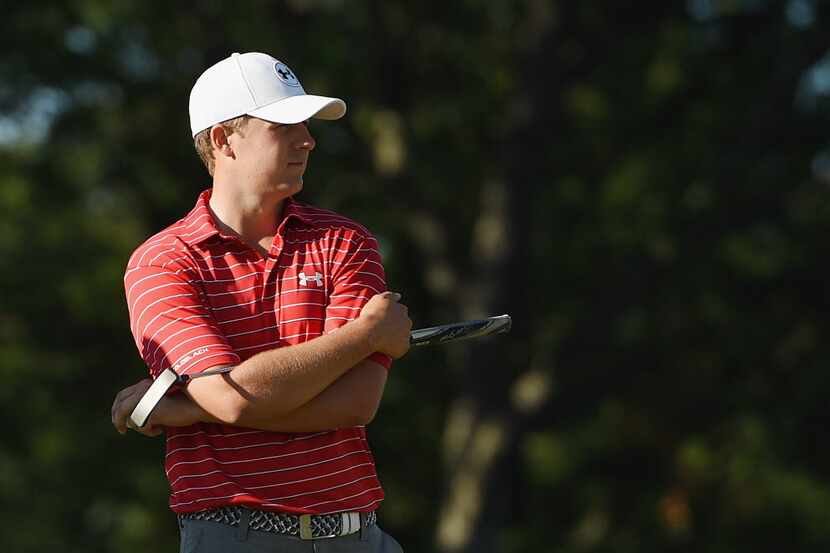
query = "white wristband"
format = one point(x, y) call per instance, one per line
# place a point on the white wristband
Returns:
point(152, 397)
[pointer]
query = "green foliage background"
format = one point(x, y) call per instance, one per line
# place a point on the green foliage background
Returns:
point(642, 186)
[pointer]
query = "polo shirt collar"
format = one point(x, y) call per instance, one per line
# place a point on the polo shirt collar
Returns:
point(294, 209)
point(200, 224)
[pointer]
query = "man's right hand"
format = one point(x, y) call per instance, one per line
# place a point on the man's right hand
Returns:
point(389, 323)
point(125, 402)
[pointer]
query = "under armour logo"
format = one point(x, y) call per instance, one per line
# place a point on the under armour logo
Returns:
point(318, 278)
point(285, 74)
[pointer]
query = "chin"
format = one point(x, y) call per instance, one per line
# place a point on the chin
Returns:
point(288, 188)
point(297, 186)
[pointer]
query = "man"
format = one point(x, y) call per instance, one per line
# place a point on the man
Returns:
point(273, 455)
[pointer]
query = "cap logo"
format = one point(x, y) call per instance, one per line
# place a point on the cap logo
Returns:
point(285, 74)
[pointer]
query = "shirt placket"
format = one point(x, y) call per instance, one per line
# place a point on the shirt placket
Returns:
point(273, 281)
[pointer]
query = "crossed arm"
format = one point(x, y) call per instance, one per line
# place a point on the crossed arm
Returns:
point(351, 400)
point(322, 384)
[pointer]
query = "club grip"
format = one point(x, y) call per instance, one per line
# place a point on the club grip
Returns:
point(464, 330)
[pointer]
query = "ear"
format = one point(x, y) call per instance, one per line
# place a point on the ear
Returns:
point(219, 141)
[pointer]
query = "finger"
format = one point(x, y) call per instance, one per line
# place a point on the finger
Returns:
point(150, 431)
point(123, 395)
point(125, 422)
point(123, 425)
point(116, 418)
point(394, 296)
point(115, 403)
point(127, 393)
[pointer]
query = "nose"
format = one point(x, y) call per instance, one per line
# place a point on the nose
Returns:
point(305, 141)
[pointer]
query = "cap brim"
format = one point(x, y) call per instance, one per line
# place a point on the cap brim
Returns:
point(296, 109)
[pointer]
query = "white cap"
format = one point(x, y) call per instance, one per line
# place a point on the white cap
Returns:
point(255, 84)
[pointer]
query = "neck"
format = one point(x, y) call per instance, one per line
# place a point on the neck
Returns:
point(251, 214)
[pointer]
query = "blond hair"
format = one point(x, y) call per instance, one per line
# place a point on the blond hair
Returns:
point(202, 140)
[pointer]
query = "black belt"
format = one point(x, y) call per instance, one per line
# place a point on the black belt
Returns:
point(307, 527)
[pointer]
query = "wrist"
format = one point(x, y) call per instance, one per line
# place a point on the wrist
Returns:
point(367, 329)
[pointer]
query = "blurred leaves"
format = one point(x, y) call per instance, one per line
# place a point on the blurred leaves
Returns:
point(645, 190)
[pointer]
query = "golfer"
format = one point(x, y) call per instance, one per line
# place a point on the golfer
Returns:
point(272, 456)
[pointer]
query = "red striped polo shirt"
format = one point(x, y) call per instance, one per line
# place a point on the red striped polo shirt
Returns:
point(200, 298)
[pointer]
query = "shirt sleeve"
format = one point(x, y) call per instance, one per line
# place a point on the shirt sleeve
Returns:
point(358, 275)
point(171, 324)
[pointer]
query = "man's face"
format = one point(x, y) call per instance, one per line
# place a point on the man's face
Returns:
point(272, 156)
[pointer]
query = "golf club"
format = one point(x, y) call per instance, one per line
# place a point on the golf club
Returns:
point(441, 334)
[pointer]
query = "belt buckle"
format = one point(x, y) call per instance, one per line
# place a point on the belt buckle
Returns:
point(306, 533)
point(307, 530)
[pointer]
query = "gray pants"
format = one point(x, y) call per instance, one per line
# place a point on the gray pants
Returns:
point(201, 536)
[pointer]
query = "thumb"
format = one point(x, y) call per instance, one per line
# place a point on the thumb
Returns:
point(394, 296)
